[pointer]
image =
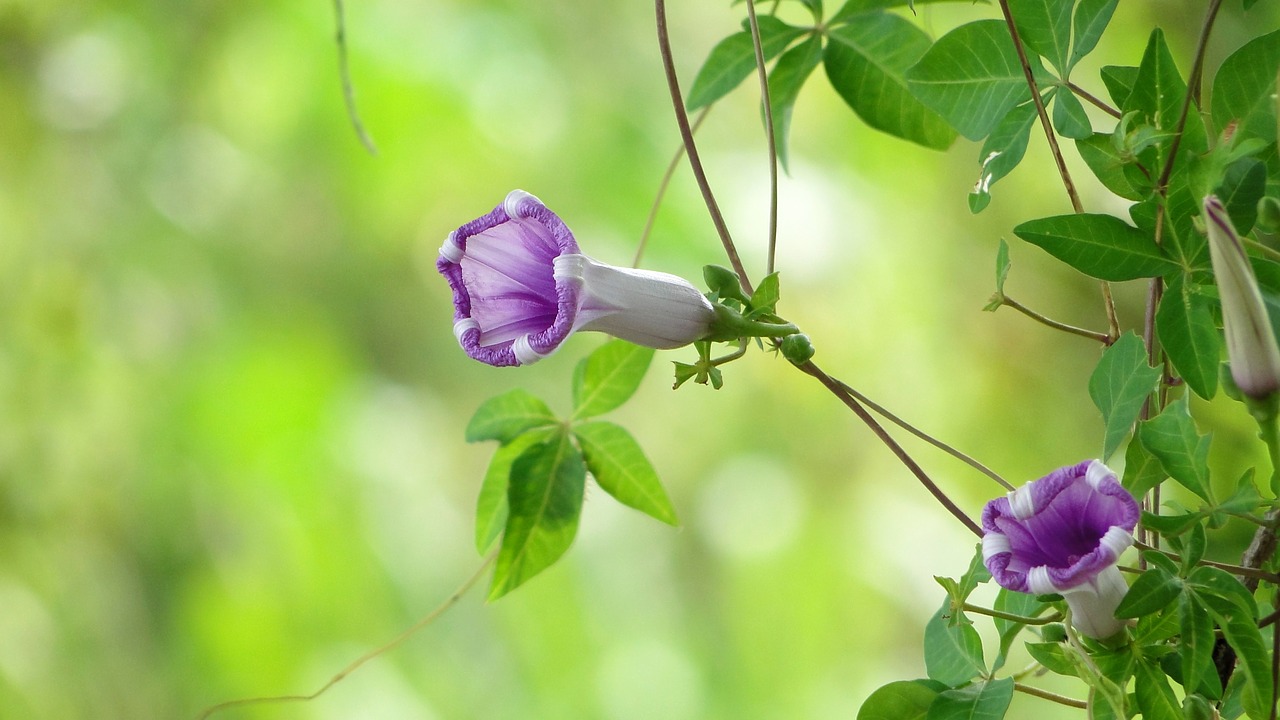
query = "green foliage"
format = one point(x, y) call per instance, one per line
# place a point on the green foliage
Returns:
point(1100, 246)
point(608, 377)
point(866, 62)
point(901, 700)
point(1186, 328)
point(1153, 591)
point(533, 489)
point(1120, 384)
point(1243, 89)
point(618, 464)
point(507, 416)
point(1183, 452)
point(789, 74)
point(983, 700)
point(952, 650)
point(971, 77)
point(734, 59)
point(1001, 153)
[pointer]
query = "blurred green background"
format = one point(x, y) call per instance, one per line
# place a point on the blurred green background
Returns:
point(231, 405)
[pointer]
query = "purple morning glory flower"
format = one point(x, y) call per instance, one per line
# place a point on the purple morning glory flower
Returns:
point(1063, 534)
point(521, 287)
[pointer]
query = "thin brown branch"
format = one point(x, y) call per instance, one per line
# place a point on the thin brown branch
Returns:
point(1094, 100)
point(1046, 695)
point(768, 133)
point(344, 72)
point(360, 661)
point(838, 389)
point(1040, 110)
point(1103, 338)
point(691, 148)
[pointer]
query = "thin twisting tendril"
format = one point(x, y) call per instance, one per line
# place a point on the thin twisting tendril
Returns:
point(360, 661)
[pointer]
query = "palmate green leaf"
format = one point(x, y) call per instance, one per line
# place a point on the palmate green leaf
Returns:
point(1091, 18)
point(1013, 603)
point(1244, 182)
point(1185, 325)
point(788, 76)
point(1119, 385)
point(1153, 591)
point(1100, 154)
point(505, 416)
point(1244, 89)
point(544, 500)
point(1069, 117)
point(1119, 80)
point(984, 700)
point(1157, 95)
point(608, 377)
point(866, 63)
point(491, 506)
point(972, 77)
point(1195, 650)
point(900, 700)
point(855, 8)
point(1045, 29)
point(1232, 607)
point(952, 653)
point(1001, 153)
point(1100, 246)
point(1154, 694)
point(620, 467)
point(1142, 470)
point(1183, 452)
point(734, 59)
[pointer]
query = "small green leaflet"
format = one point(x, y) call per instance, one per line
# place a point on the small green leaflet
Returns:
point(1069, 117)
point(1158, 93)
point(1244, 89)
point(1101, 246)
point(1154, 694)
point(901, 700)
point(866, 63)
point(491, 506)
point(1002, 152)
point(1244, 182)
point(1142, 470)
point(505, 416)
point(1153, 591)
point(620, 467)
point(952, 653)
point(1184, 323)
point(1100, 154)
point(983, 700)
point(788, 76)
point(1120, 384)
point(1196, 643)
point(1091, 18)
point(1183, 452)
point(1014, 603)
point(1002, 273)
point(608, 377)
point(545, 501)
point(733, 60)
point(971, 77)
point(1045, 29)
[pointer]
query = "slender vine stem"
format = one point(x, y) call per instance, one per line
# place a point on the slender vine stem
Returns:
point(360, 661)
point(662, 190)
point(344, 72)
point(1103, 338)
point(1054, 697)
point(953, 452)
point(691, 148)
point(768, 133)
point(1094, 100)
point(1022, 619)
point(1262, 248)
point(837, 388)
point(1249, 572)
point(1040, 110)
point(1113, 321)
